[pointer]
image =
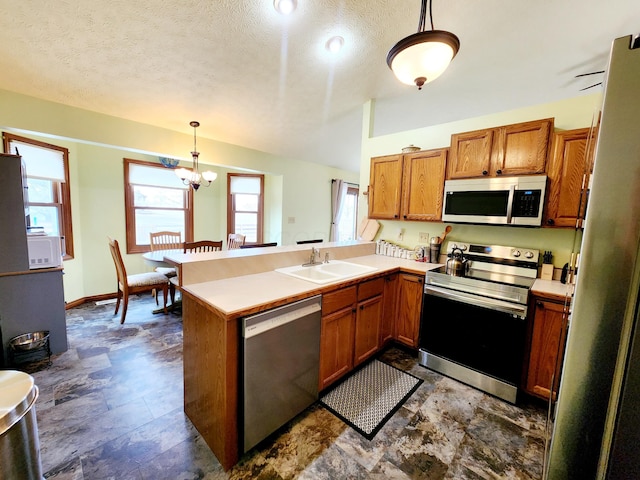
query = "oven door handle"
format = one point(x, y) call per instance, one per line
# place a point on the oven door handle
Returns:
point(485, 302)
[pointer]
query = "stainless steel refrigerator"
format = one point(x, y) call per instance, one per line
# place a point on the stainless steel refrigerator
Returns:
point(596, 432)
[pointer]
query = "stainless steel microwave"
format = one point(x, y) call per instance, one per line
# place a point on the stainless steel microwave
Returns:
point(495, 201)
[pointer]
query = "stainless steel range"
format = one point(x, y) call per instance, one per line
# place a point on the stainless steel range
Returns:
point(473, 323)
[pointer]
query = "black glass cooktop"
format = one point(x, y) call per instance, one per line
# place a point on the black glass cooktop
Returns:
point(486, 276)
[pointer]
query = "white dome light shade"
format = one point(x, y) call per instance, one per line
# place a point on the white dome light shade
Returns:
point(285, 7)
point(335, 44)
point(209, 176)
point(422, 57)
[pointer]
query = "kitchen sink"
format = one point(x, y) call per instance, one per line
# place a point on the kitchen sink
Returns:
point(326, 272)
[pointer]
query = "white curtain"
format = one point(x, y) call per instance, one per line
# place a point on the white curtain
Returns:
point(338, 194)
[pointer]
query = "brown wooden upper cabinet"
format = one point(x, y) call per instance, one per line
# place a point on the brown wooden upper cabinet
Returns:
point(408, 187)
point(518, 149)
point(569, 169)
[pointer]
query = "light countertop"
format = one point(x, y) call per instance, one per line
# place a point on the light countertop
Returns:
point(231, 296)
point(552, 288)
point(237, 295)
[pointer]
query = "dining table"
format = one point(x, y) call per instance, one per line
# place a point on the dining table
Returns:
point(155, 259)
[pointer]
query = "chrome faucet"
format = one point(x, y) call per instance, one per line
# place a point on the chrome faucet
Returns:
point(313, 258)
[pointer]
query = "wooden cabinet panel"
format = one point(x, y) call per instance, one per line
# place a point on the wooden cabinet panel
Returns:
point(367, 331)
point(522, 148)
point(387, 325)
point(338, 299)
point(385, 182)
point(423, 185)
point(336, 346)
point(547, 342)
point(409, 308)
point(470, 154)
point(518, 149)
point(370, 288)
point(568, 171)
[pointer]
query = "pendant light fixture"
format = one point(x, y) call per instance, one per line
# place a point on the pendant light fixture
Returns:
point(192, 176)
point(422, 57)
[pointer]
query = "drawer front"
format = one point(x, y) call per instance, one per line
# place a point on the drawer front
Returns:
point(334, 301)
point(370, 288)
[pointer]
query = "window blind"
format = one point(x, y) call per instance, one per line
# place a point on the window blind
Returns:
point(154, 177)
point(40, 162)
point(244, 185)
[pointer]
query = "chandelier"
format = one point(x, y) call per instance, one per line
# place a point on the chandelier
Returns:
point(422, 57)
point(192, 176)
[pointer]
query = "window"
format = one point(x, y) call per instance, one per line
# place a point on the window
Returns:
point(348, 215)
point(155, 200)
point(47, 186)
point(245, 206)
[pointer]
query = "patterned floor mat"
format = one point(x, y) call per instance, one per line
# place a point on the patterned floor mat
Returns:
point(370, 396)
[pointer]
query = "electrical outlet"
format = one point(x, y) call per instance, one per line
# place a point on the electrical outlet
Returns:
point(423, 237)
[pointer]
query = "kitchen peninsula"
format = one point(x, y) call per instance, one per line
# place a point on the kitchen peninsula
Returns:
point(218, 289)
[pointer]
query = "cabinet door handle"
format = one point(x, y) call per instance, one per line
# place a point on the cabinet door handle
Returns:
point(484, 172)
point(551, 221)
point(405, 217)
point(539, 304)
point(361, 307)
point(499, 172)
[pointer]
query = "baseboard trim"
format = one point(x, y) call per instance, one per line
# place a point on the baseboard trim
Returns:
point(91, 298)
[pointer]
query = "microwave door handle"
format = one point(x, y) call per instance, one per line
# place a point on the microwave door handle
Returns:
point(510, 203)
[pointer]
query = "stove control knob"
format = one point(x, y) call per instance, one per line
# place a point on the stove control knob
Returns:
point(528, 254)
point(452, 246)
point(515, 253)
point(463, 247)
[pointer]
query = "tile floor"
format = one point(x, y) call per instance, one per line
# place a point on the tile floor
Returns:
point(111, 408)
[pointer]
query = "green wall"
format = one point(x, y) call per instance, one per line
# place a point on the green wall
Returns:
point(569, 114)
point(97, 144)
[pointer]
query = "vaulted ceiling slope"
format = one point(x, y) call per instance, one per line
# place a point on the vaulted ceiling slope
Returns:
point(255, 78)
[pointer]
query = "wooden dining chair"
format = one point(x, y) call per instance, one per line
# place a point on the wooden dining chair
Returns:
point(137, 283)
point(235, 240)
point(203, 246)
point(165, 241)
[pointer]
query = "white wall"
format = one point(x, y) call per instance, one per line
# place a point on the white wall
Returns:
point(97, 144)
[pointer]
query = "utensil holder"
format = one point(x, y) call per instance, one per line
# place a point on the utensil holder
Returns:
point(435, 252)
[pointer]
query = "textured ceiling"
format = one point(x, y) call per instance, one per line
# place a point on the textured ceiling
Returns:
point(257, 79)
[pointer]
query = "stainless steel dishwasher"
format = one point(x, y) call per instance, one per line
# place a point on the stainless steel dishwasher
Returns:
point(281, 355)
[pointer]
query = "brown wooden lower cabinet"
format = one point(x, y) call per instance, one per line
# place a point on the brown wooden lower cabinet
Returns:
point(368, 319)
point(409, 308)
point(389, 302)
point(336, 337)
point(548, 334)
point(336, 346)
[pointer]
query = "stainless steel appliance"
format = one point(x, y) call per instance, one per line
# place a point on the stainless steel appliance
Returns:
point(473, 327)
point(498, 201)
point(596, 432)
point(281, 356)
